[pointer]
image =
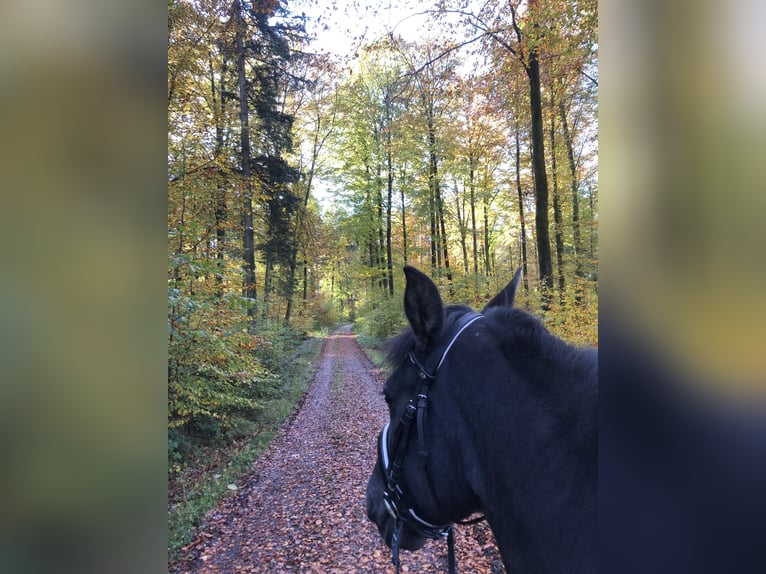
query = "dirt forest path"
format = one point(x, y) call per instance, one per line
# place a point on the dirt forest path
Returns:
point(301, 507)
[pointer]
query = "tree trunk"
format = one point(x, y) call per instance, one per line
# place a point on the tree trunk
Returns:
point(545, 264)
point(248, 241)
point(432, 215)
point(389, 254)
point(444, 240)
point(382, 264)
point(181, 228)
point(290, 288)
point(332, 282)
point(487, 250)
point(592, 226)
point(219, 104)
point(371, 240)
point(462, 226)
point(520, 195)
point(575, 184)
point(433, 185)
point(268, 272)
point(440, 207)
point(442, 251)
point(220, 237)
point(472, 188)
point(576, 241)
point(557, 219)
point(404, 218)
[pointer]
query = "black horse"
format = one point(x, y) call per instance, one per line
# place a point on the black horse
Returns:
point(490, 414)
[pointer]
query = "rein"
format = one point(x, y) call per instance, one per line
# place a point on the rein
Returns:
point(398, 503)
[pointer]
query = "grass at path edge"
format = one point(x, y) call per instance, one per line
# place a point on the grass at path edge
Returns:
point(371, 347)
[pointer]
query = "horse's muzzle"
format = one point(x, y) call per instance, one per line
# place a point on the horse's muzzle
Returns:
point(379, 514)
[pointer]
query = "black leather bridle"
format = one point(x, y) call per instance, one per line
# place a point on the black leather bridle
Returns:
point(391, 454)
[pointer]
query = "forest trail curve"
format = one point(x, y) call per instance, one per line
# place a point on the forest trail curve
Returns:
point(301, 508)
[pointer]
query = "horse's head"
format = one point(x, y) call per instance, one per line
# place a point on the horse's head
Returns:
point(421, 483)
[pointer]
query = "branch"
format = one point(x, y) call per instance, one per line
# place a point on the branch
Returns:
point(515, 23)
point(446, 52)
point(477, 23)
point(483, 26)
point(591, 78)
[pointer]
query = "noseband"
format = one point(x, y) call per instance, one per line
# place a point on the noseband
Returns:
point(398, 503)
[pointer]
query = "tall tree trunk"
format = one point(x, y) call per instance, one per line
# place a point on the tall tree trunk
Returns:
point(181, 229)
point(389, 254)
point(442, 227)
point(487, 250)
point(531, 64)
point(544, 261)
point(433, 184)
point(220, 237)
point(219, 104)
point(433, 236)
point(575, 184)
point(558, 232)
point(268, 272)
point(442, 251)
point(382, 264)
point(404, 218)
point(462, 225)
point(592, 226)
point(292, 266)
point(248, 240)
point(576, 238)
point(306, 281)
point(373, 264)
point(432, 215)
point(369, 202)
point(332, 281)
point(472, 188)
point(520, 194)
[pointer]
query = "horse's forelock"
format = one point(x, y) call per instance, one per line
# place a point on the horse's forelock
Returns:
point(396, 349)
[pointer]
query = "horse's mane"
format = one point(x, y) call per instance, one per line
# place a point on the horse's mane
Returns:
point(526, 332)
point(514, 327)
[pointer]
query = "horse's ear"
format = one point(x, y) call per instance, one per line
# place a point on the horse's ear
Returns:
point(507, 295)
point(423, 306)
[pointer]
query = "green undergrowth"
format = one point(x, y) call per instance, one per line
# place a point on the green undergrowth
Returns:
point(210, 470)
point(372, 347)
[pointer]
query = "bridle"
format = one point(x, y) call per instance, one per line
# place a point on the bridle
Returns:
point(398, 503)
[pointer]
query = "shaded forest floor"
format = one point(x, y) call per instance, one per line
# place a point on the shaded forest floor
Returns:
point(301, 508)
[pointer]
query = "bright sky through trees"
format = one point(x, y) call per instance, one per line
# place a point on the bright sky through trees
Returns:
point(341, 26)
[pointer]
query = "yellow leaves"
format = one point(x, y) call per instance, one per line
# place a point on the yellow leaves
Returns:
point(576, 319)
point(213, 370)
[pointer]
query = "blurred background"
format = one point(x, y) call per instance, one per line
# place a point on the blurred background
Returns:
point(682, 142)
point(82, 288)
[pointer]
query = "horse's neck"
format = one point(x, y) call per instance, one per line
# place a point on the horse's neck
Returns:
point(541, 492)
